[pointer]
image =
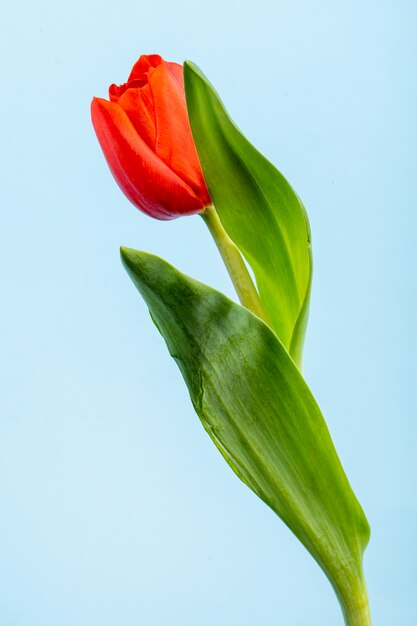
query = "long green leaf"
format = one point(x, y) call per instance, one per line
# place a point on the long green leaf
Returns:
point(258, 208)
point(258, 410)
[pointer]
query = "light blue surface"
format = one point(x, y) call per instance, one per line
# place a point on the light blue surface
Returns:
point(115, 507)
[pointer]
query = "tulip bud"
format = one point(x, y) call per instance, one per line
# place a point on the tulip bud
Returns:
point(145, 136)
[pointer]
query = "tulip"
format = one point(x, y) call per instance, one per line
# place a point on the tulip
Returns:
point(146, 138)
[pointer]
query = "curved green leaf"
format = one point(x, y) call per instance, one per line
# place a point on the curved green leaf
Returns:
point(258, 410)
point(258, 208)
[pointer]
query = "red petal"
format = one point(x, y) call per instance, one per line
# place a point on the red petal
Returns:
point(148, 183)
point(142, 65)
point(138, 104)
point(116, 91)
point(174, 143)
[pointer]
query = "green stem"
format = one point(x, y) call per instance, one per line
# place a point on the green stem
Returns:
point(353, 597)
point(358, 616)
point(235, 264)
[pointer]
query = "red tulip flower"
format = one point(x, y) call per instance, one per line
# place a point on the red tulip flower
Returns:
point(146, 138)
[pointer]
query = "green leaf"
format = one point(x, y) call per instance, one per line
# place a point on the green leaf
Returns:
point(260, 211)
point(260, 413)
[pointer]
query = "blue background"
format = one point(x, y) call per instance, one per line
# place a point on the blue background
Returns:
point(115, 507)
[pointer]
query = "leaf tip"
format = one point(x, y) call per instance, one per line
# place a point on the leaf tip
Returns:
point(189, 66)
point(134, 261)
point(192, 69)
point(126, 255)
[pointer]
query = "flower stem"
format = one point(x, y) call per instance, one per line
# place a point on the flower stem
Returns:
point(235, 264)
point(358, 616)
point(353, 598)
